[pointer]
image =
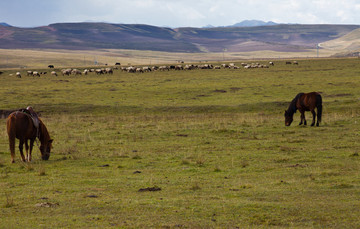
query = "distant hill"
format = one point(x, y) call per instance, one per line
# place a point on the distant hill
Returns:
point(282, 37)
point(347, 45)
point(252, 23)
point(208, 26)
point(4, 24)
point(247, 23)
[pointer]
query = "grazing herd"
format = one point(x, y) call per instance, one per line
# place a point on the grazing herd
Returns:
point(35, 73)
point(75, 71)
point(133, 69)
point(143, 69)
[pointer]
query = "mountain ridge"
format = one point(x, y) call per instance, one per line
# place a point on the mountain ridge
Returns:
point(246, 23)
point(253, 23)
point(93, 35)
point(5, 24)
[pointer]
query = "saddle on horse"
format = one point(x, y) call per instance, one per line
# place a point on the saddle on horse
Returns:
point(30, 111)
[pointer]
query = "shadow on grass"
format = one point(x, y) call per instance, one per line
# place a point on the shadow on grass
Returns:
point(275, 107)
point(75, 108)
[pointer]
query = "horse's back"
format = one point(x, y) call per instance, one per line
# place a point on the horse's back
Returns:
point(19, 124)
point(313, 94)
point(311, 100)
point(315, 97)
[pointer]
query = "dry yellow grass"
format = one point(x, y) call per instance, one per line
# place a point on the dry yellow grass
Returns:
point(33, 58)
point(349, 42)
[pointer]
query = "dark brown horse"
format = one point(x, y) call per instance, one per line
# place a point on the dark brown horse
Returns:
point(20, 125)
point(305, 102)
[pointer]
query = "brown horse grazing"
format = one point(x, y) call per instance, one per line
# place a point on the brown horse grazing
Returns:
point(20, 125)
point(305, 102)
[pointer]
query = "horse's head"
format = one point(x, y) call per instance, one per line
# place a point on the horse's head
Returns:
point(45, 149)
point(288, 118)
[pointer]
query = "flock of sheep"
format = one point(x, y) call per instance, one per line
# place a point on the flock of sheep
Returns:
point(75, 71)
point(68, 72)
point(133, 69)
point(29, 73)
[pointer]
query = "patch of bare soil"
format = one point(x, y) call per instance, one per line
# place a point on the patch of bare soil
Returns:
point(219, 91)
point(150, 189)
point(339, 95)
point(298, 166)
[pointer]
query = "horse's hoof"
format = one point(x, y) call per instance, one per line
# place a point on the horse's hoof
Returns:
point(312, 124)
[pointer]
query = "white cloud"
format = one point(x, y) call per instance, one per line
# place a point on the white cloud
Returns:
point(213, 9)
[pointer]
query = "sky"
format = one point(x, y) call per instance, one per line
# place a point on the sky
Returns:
point(178, 13)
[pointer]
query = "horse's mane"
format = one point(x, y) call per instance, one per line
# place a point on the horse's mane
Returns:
point(292, 107)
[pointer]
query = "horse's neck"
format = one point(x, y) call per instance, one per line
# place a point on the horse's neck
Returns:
point(292, 107)
point(43, 133)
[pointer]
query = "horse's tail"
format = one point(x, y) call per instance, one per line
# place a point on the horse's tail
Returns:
point(11, 131)
point(319, 107)
point(10, 124)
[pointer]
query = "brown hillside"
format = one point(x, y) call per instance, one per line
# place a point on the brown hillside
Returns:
point(92, 36)
point(350, 42)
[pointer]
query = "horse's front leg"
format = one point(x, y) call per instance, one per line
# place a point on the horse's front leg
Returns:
point(314, 115)
point(21, 146)
point(302, 118)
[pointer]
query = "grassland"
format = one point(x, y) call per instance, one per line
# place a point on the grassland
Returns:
point(213, 141)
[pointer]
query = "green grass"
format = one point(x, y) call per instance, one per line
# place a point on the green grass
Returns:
point(214, 141)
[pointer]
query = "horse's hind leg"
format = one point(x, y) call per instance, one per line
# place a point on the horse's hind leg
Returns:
point(31, 148)
point(12, 148)
point(27, 156)
point(21, 146)
point(314, 115)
